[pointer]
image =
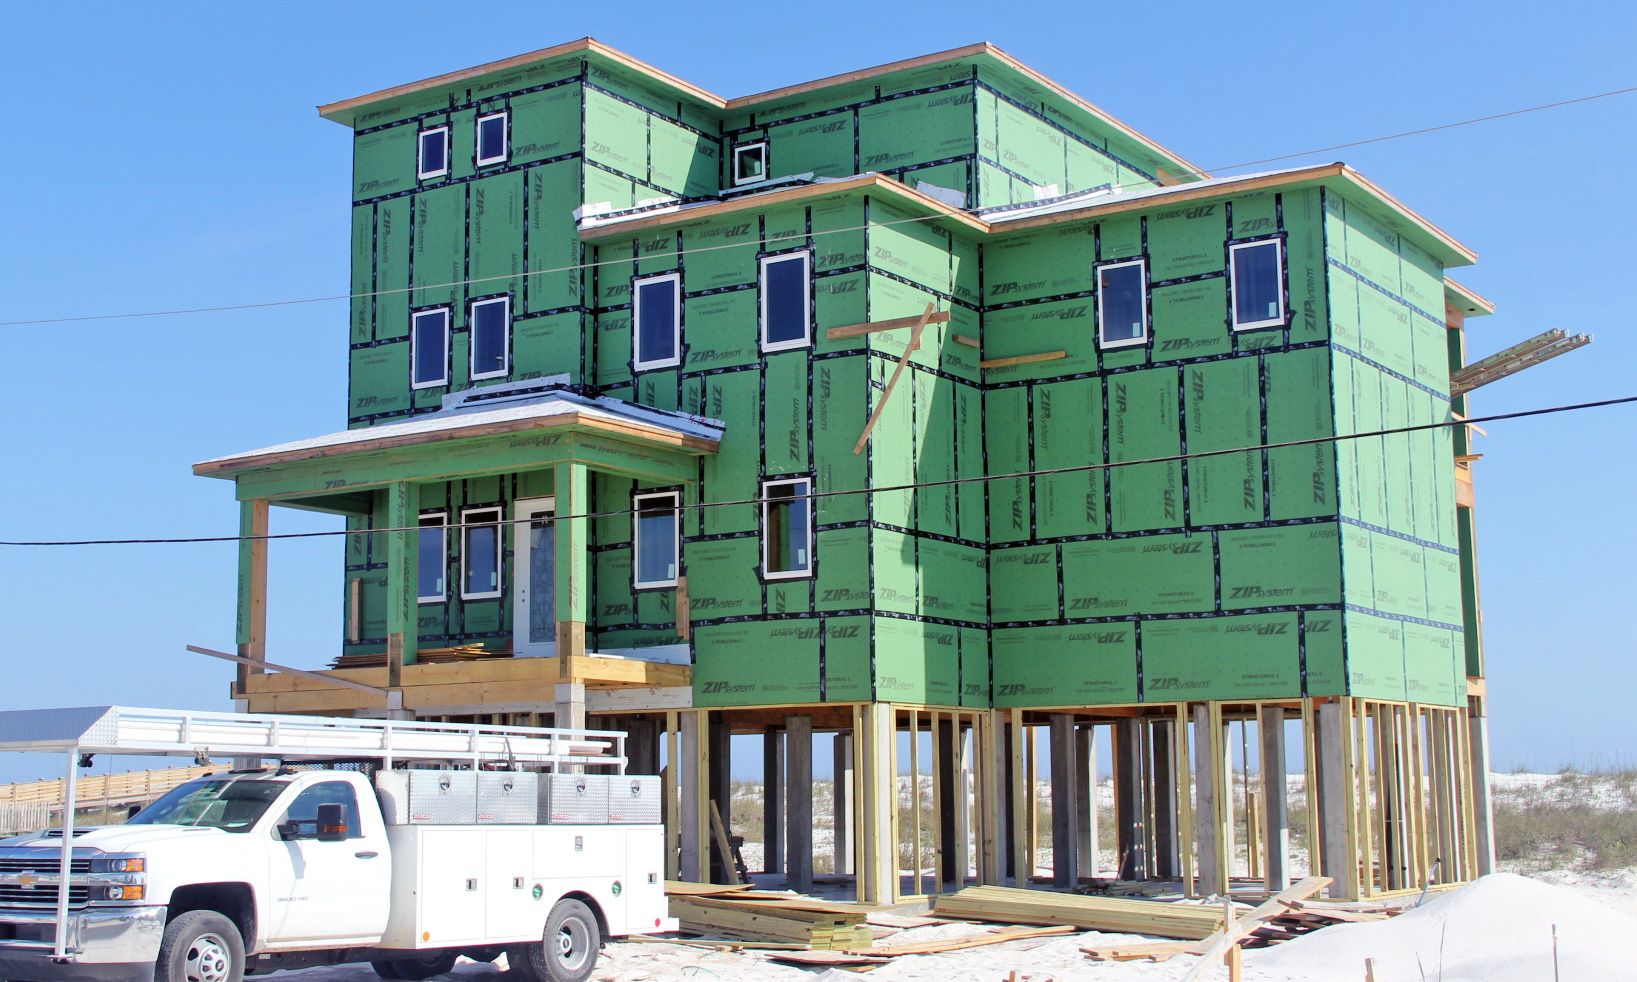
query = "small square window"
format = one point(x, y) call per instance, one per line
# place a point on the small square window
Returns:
point(492, 145)
point(1122, 307)
point(656, 336)
point(432, 557)
point(480, 554)
point(1256, 280)
point(786, 306)
point(787, 529)
point(491, 337)
point(433, 159)
point(429, 348)
point(657, 545)
point(750, 163)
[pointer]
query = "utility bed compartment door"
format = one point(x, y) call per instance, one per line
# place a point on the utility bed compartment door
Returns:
point(514, 912)
point(451, 894)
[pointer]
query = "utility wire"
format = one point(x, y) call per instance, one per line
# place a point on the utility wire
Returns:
point(889, 489)
point(331, 298)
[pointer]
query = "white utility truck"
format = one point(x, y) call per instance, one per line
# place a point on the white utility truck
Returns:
point(403, 844)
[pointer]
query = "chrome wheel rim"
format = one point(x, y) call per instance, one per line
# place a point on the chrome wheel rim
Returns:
point(209, 959)
point(573, 943)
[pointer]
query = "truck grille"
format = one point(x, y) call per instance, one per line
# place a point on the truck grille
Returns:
point(43, 865)
point(41, 896)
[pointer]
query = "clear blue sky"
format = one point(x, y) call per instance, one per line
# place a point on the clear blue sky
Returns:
point(166, 156)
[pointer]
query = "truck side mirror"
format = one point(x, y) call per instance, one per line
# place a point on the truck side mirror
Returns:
point(332, 823)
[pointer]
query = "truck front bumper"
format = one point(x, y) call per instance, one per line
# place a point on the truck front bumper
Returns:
point(116, 944)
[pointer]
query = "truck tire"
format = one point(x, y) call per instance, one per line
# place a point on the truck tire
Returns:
point(200, 946)
point(416, 968)
point(568, 950)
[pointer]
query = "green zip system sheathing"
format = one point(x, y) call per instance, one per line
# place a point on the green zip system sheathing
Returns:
point(1310, 570)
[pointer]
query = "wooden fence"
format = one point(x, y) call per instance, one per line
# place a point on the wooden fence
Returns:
point(102, 790)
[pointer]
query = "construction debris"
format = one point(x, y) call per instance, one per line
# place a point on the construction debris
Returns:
point(751, 915)
point(1111, 914)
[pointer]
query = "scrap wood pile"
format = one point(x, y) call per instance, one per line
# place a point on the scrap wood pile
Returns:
point(763, 916)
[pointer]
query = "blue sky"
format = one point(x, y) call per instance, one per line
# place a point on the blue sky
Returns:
point(163, 157)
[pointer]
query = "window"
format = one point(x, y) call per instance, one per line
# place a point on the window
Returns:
point(786, 313)
point(480, 554)
point(429, 346)
point(1122, 308)
point(656, 539)
point(750, 163)
point(787, 532)
point(656, 335)
point(1256, 279)
point(491, 139)
point(491, 337)
point(304, 810)
point(434, 153)
point(432, 557)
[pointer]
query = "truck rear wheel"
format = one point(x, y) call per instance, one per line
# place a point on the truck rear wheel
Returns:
point(417, 967)
point(200, 946)
point(568, 950)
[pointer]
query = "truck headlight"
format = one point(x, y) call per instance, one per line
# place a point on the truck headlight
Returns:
point(126, 865)
point(120, 891)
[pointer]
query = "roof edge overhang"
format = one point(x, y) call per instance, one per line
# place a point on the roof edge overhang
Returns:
point(341, 111)
point(1443, 245)
point(652, 436)
point(1468, 301)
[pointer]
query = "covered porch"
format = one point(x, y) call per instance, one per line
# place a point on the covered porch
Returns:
point(524, 558)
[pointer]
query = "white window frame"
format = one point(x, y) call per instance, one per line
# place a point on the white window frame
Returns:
point(1102, 309)
point(420, 153)
point(505, 139)
point(443, 552)
point(806, 340)
point(806, 497)
point(745, 148)
point(675, 498)
point(466, 524)
point(1279, 285)
point(676, 321)
point(505, 339)
point(414, 344)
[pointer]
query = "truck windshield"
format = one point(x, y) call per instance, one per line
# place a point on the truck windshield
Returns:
point(227, 803)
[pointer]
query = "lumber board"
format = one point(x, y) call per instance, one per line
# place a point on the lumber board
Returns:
point(1153, 950)
point(1215, 947)
point(679, 888)
point(963, 339)
point(1111, 914)
point(1022, 359)
point(1000, 936)
point(897, 372)
point(871, 327)
point(719, 830)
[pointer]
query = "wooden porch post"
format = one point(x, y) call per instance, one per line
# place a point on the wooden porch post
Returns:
point(573, 499)
point(403, 556)
point(252, 623)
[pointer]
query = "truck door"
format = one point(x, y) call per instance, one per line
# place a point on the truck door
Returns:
point(328, 891)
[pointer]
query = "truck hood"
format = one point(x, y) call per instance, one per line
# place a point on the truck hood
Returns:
point(120, 838)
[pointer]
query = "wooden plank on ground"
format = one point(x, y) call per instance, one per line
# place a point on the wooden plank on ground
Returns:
point(1157, 918)
point(1216, 947)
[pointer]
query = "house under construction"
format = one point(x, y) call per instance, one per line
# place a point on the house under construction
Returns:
point(928, 406)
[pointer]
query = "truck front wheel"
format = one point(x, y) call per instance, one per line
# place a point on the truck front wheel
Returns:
point(568, 950)
point(200, 946)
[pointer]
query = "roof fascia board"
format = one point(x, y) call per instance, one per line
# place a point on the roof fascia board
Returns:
point(227, 467)
point(773, 199)
point(342, 111)
point(1176, 195)
point(1473, 303)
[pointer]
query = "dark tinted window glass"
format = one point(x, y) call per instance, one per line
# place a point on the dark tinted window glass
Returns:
point(488, 338)
point(786, 297)
point(491, 139)
point(429, 565)
point(1120, 292)
point(431, 331)
point(434, 151)
point(656, 331)
point(1256, 292)
point(481, 553)
point(787, 528)
point(656, 540)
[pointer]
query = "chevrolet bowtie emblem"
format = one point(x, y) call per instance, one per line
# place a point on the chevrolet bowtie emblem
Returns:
point(27, 881)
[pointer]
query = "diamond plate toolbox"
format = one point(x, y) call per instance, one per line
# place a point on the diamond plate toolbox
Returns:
point(508, 798)
point(633, 799)
point(573, 799)
point(428, 797)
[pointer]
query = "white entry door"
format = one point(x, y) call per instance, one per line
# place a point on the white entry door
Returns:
point(534, 610)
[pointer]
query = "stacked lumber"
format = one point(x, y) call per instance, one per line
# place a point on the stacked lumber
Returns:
point(1158, 918)
point(779, 918)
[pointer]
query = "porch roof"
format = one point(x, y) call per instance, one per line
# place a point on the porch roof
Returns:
point(479, 431)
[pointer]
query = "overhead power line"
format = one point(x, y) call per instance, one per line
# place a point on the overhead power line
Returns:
point(337, 297)
point(888, 489)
